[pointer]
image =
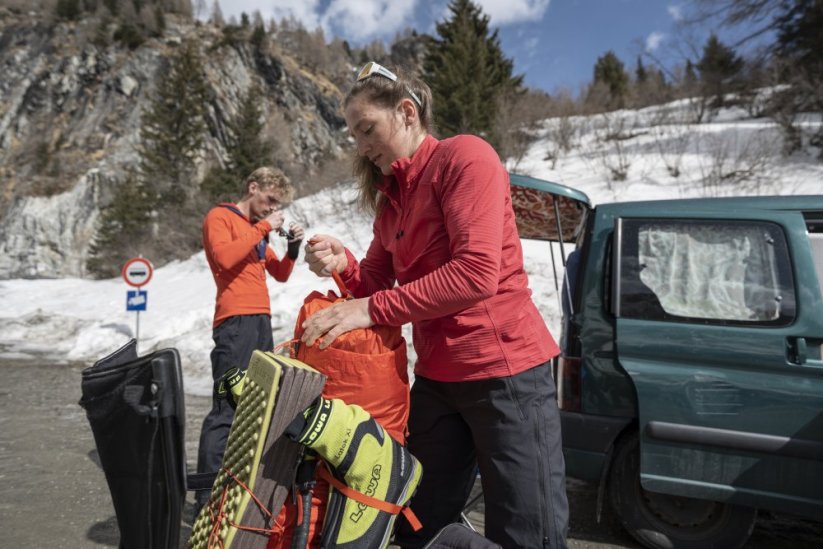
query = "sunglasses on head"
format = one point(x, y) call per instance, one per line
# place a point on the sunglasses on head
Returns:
point(371, 68)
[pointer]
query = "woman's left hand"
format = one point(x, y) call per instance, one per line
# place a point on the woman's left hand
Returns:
point(335, 320)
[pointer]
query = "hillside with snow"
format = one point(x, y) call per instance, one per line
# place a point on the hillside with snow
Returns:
point(653, 153)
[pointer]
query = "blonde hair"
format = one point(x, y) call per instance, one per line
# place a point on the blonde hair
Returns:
point(267, 177)
point(387, 93)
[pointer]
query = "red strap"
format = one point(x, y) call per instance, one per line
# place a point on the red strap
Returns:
point(344, 292)
point(414, 522)
point(360, 497)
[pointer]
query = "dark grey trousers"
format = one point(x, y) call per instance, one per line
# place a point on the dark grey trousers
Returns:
point(235, 339)
point(507, 427)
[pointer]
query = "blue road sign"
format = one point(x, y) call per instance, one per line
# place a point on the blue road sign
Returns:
point(136, 300)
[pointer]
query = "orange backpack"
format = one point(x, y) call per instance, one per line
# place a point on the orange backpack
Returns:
point(367, 366)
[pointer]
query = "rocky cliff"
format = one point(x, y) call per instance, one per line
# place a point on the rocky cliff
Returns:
point(70, 111)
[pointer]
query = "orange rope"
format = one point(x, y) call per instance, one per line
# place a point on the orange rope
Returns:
point(289, 343)
point(217, 513)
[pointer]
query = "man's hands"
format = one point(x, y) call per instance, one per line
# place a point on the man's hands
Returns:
point(325, 255)
point(275, 219)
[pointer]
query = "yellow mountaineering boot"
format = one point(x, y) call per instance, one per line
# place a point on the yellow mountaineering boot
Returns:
point(364, 461)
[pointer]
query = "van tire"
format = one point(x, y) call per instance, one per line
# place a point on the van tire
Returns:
point(651, 517)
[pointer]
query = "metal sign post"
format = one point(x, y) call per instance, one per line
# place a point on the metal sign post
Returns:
point(137, 272)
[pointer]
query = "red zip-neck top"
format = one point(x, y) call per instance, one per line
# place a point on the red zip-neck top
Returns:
point(446, 234)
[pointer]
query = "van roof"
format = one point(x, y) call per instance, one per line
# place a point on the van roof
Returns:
point(546, 210)
point(729, 204)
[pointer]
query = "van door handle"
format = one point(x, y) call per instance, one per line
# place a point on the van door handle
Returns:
point(799, 353)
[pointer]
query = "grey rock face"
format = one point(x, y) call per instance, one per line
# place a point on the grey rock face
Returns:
point(46, 237)
point(70, 123)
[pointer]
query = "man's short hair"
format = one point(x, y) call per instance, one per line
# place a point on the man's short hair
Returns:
point(267, 177)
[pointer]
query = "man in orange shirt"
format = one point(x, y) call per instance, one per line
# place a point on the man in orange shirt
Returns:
point(235, 238)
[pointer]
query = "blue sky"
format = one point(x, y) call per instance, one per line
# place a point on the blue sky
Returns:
point(554, 43)
point(561, 48)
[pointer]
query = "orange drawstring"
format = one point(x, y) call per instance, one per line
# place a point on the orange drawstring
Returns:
point(288, 344)
point(217, 514)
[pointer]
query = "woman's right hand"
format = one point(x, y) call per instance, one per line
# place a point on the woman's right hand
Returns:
point(325, 254)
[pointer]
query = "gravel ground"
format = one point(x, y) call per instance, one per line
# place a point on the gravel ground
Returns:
point(54, 495)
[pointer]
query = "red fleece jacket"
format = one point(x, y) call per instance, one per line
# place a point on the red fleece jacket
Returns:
point(230, 241)
point(447, 235)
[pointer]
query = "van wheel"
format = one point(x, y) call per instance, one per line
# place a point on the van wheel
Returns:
point(672, 522)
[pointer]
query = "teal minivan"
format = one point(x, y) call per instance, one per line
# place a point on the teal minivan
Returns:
point(691, 379)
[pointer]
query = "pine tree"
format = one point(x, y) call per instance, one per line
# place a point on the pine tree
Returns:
point(610, 72)
point(658, 81)
point(159, 19)
point(258, 37)
point(124, 225)
point(689, 76)
point(800, 46)
point(112, 5)
point(217, 15)
point(640, 73)
point(467, 72)
point(174, 126)
point(796, 47)
point(650, 87)
point(800, 36)
point(161, 197)
point(718, 68)
point(247, 149)
point(68, 9)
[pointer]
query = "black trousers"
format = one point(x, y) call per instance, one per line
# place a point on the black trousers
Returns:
point(235, 339)
point(507, 427)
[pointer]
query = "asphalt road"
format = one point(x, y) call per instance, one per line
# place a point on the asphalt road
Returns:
point(53, 494)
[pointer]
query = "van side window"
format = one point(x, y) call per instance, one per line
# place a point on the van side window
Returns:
point(710, 271)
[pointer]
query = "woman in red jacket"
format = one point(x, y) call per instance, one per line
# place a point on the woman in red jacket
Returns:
point(446, 257)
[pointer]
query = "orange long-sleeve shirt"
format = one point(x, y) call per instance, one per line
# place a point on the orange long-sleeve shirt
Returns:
point(230, 241)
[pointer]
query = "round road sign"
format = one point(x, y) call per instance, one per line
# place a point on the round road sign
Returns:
point(137, 271)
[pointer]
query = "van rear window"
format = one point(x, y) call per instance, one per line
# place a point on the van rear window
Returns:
point(709, 271)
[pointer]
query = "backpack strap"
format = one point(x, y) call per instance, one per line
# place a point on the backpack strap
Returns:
point(234, 209)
